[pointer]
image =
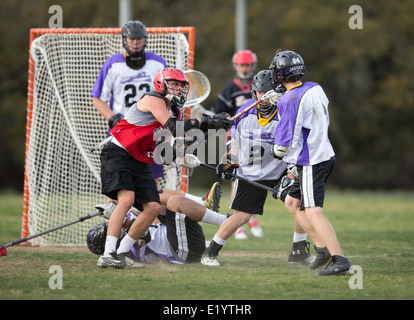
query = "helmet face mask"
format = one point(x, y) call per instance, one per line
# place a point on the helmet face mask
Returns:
point(262, 83)
point(286, 66)
point(173, 85)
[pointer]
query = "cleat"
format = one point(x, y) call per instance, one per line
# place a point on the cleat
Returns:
point(240, 234)
point(322, 259)
point(129, 261)
point(339, 265)
point(212, 198)
point(209, 257)
point(300, 253)
point(111, 261)
point(256, 230)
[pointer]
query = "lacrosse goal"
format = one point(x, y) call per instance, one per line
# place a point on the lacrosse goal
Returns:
point(62, 175)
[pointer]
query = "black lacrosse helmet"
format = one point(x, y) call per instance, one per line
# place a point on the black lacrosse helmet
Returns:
point(286, 66)
point(96, 237)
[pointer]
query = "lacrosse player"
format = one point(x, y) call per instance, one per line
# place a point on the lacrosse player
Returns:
point(301, 138)
point(125, 173)
point(234, 95)
point(125, 77)
point(251, 140)
point(174, 236)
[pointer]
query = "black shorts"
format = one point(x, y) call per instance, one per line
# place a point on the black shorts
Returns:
point(120, 171)
point(185, 236)
point(309, 187)
point(249, 198)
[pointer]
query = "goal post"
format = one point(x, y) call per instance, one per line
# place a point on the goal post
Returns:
point(62, 175)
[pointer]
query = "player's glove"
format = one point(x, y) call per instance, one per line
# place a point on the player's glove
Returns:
point(228, 168)
point(282, 188)
point(278, 152)
point(218, 121)
point(113, 121)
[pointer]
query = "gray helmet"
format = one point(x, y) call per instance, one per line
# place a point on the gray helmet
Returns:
point(262, 82)
point(134, 29)
point(286, 66)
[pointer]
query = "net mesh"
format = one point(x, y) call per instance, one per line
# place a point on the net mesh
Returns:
point(62, 174)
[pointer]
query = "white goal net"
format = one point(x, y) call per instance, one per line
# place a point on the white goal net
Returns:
point(62, 175)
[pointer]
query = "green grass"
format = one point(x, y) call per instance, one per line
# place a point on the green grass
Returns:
point(375, 231)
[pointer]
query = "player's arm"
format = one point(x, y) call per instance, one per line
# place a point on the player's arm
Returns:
point(106, 112)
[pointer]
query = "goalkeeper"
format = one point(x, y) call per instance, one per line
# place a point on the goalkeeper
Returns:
point(251, 140)
point(125, 173)
point(125, 77)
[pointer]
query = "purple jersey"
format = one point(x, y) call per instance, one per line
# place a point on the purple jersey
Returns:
point(303, 125)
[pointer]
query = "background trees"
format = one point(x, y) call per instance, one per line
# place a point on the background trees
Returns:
point(366, 73)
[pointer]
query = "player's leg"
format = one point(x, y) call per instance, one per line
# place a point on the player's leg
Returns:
point(110, 258)
point(226, 230)
point(194, 211)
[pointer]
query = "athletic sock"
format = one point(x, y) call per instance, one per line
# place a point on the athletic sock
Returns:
point(110, 245)
point(212, 217)
point(218, 240)
point(196, 199)
point(126, 244)
point(298, 237)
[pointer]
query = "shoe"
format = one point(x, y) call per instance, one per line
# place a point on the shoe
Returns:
point(340, 265)
point(301, 253)
point(241, 234)
point(111, 261)
point(323, 257)
point(256, 230)
point(129, 260)
point(212, 198)
point(209, 257)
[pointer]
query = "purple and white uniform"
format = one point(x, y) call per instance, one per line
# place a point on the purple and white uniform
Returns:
point(303, 125)
point(123, 86)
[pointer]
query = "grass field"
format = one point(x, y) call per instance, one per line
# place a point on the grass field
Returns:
point(376, 232)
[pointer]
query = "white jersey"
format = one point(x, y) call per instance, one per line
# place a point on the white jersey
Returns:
point(159, 248)
point(303, 126)
point(121, 86)
point(254, 142)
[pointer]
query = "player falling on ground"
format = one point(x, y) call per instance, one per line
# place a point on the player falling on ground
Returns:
point(175, 236)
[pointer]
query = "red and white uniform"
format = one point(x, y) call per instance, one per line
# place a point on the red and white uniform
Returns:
point(137, 130)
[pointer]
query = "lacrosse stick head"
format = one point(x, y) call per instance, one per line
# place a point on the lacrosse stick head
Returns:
point(199, 87)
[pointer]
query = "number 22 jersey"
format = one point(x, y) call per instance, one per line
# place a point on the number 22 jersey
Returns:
point(123, 86)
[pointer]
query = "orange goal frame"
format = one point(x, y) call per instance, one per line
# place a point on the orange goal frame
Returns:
point(36, 32)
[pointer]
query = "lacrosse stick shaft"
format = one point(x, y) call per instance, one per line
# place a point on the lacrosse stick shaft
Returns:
point(89, 216)
point(259, 185)
point(254, 104)
point(100, 144)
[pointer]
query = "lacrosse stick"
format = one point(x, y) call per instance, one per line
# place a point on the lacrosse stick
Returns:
point(199, 91)
point(266, 96)
point(191, 161)
point(3, 248)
